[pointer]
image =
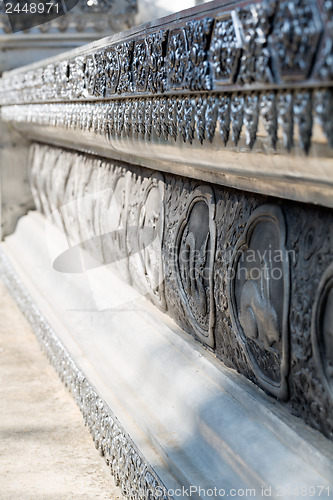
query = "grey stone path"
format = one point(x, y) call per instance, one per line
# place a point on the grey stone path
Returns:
point(46, 452)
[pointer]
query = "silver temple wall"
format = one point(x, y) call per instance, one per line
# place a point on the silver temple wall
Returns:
point(194, 156)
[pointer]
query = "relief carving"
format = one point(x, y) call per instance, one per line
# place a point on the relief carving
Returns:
point(194, 260)
point(125, 54)
point(147, 119)
point(211, 117)
point(49, 81)
point(186, 121)
point(296, 34)
point(159, 233)
point(141, 118)
point(100, 77)
point(325, 70)
point(268, 108)
point(322, 329)
point(128, 118)
point(197, 75)
point(112, 70)
point(200, 125)
point(114, 224)
point(135, 122)
point(140, 74)
point(89, 76)
point(261, 43)
point(323, 104)
point(258, 291)
point(254, 25)
point(156, 117)
point(156, 48)
point(286, 118)
point(225, 51)
point(145, 252)
point(163, 109)
point(237, 116)
point(172, 117)
point(303, 118)
point(251, 118)
point(177, 58)
point(76, 76)
point(61, 78)
point(224, 117)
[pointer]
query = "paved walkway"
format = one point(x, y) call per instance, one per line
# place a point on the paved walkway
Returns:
point(46, 452)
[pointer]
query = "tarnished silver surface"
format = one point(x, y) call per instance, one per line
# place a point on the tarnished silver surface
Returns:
point(262, 122)
point(254, 144)
point(236, 270)
point(233, 46)
point(129, 468)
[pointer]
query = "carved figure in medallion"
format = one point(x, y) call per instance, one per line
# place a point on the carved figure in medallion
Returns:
point(258, 292)
point(322, 329)
point(114, 225)
point(194, 258)
point(146, 263)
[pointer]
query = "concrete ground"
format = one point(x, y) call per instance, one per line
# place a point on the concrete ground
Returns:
point(46, 452)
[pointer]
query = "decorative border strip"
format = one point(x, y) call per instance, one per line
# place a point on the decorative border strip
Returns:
point(127, 465)
point(265, 44)
point(197, 118)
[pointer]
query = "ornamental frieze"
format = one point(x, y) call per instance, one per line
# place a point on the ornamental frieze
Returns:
point(235, 119)
point(267, 44)
point(193, 260)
